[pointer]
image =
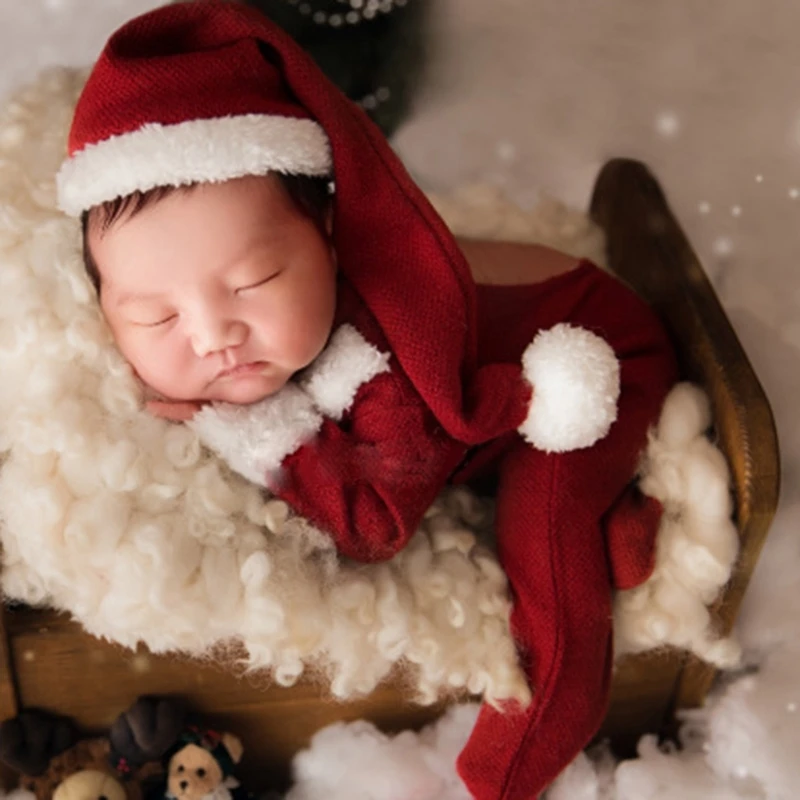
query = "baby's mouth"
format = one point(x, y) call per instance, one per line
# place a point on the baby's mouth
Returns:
point(250, 369)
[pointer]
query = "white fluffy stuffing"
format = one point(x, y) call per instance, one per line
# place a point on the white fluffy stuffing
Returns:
point(741, 746)
point(355, 761)
point(126, 523)
point(17, 794)
point(697, 543)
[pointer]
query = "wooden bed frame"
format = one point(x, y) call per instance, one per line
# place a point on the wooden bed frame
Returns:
point(47, 661)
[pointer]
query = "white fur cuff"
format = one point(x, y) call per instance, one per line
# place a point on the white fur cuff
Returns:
point(348, 362)
point(253, 440)
point(575, 380)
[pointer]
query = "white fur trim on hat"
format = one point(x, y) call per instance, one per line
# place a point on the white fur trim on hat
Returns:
point(253, 440)
point(348, 362)
point(575, 380)
point(197, 151)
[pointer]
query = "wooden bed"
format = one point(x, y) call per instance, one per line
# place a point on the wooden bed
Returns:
point(48, 661)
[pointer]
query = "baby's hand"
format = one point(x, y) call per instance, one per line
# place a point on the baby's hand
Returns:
point(175, 411)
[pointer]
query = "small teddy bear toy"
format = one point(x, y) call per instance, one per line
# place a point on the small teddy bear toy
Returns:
point(201, 766)
point(56, 763)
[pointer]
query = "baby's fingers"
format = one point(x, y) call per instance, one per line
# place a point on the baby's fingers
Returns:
point(174, 411)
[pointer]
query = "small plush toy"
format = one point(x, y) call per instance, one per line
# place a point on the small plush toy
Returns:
point(195, 762)
point(201, 766)
point(56, 763)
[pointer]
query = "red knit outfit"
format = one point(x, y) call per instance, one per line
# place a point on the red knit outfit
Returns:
point(568, 525)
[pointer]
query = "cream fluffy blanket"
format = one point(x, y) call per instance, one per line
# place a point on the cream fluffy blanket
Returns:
point(127, 524)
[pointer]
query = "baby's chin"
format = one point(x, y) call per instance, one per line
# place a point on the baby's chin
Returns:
point(245, 392)
point(239, 392)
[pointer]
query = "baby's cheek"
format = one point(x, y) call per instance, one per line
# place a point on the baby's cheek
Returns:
point(165, 365)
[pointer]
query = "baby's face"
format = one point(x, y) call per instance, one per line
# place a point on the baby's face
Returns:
point(219, 293)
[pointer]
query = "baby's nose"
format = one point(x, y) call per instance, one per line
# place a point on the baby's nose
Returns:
point(214, 335)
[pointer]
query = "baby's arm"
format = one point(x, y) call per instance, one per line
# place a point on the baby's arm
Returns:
point(357, 451)
point(352, 448)
point(369, 480)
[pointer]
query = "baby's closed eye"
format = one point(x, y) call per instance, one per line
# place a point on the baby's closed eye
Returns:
point(156, 320)
point(256, 284)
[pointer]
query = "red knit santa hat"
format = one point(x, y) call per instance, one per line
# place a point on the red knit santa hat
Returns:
point(209, 91)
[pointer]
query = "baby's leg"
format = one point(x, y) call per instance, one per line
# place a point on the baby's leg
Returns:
point(514, 263)
point(554, 557)
point(552, 511)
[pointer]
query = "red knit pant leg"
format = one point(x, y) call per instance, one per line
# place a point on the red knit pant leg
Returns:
point(552, 551)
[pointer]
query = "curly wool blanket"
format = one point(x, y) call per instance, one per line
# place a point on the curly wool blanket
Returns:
point(126, 523)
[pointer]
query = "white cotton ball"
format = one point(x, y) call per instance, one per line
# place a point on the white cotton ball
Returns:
point(118, 397)
point(452, 538)
point(708, 482)
point(86, 335)
point(694, 566)
point(211, 492)
point(633, 600)
point(276, 512)
point(181, 446)
point(219, 571)
point(681, 604)
point(355, 595)
point(356, 761)
point(97, 524)
point(79, 469)
point(720, 537)
point(662, 477)
point(156, 498)
point(289, 668)
point(579, 781)
point(724, 653)
point(19, 794)
point(256, 569)
point(704, 570)
point(657, 627)
point(686, 414)
point(120, 464)
point(456, 613)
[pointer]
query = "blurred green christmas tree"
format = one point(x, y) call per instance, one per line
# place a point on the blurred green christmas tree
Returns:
point(373, 50)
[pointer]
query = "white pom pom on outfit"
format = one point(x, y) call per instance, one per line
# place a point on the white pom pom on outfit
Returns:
point(575, 379)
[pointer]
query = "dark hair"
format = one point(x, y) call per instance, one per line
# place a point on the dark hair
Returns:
point(310, 195)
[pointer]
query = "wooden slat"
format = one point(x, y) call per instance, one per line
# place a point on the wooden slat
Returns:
point(9, 703)
point(647, 248)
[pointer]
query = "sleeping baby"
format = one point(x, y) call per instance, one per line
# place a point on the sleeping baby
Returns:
point(278, 283)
